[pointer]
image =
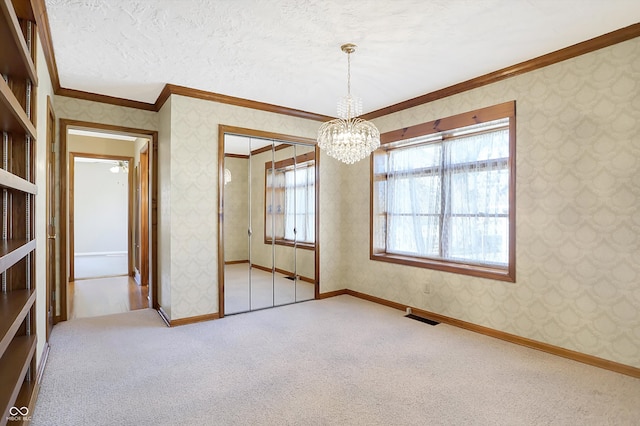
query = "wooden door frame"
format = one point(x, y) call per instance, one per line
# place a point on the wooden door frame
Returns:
point(52, 276)
point(224, 129)
point(64, 125)
point(72, 157)
point(143, 212)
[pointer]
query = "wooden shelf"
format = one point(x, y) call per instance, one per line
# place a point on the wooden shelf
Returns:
point(15, 59)
point(13, 367)
point(27, 397)
point(12, 251)
point(13, 118)
point(11, 181)
point(17, 303)
point(13, 309)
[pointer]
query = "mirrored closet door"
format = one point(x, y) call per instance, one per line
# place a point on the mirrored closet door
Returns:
point(269, 222)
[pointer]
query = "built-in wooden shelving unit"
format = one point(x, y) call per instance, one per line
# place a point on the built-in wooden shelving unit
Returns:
point(18, 84)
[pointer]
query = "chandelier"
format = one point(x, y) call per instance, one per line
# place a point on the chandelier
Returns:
point(348, 138)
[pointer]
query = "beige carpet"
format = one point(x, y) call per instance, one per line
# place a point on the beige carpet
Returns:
point(339, 361)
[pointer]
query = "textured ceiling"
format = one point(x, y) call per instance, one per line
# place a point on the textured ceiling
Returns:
point(287, 52)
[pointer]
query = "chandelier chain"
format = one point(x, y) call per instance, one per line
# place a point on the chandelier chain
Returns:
point(349, 73)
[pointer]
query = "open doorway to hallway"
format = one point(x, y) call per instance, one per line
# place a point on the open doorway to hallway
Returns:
point(100, 190)
point(107, 181)
point(105, 296)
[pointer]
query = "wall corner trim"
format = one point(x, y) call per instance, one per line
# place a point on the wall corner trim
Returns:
point(332, 294)
point(164, 316)
point(187, 320)
point(41, 366)
point(43, 362)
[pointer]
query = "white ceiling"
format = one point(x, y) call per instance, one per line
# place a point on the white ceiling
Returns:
point(287, 52)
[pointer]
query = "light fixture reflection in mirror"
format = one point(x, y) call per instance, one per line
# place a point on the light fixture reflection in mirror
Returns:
point(227, 176)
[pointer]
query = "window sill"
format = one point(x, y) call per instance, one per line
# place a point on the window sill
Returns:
point(494, 273)
point(289, 243)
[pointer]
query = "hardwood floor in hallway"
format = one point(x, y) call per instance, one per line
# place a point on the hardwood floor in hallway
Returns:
point(104, 296)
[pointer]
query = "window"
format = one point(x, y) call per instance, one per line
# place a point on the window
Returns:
point(290, 201)
point(443, 194)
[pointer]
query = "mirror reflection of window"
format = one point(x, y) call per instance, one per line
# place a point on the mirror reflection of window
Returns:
point(269, 222)
point(291, 206)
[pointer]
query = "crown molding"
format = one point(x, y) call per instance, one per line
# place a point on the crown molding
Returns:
point(172, 89)
point(105, 99)
point(42, 22)
point(44, 31)
point(605, 40)
point(163, 96)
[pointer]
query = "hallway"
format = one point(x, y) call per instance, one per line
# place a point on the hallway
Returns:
point(105, 296)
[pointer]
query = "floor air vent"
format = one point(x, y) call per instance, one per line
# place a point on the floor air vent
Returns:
point(425, 320)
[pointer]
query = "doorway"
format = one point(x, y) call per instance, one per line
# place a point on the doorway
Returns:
point(100, 216)
point(107, 146)
point(53, 200)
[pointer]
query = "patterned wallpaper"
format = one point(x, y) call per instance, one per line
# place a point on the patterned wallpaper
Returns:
point(97, 112)
point(578, 227)
point(164, 207)
point(236, 207)
point(335, 220)
point(578, 189)
point(193, 183)
point(187, 241)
